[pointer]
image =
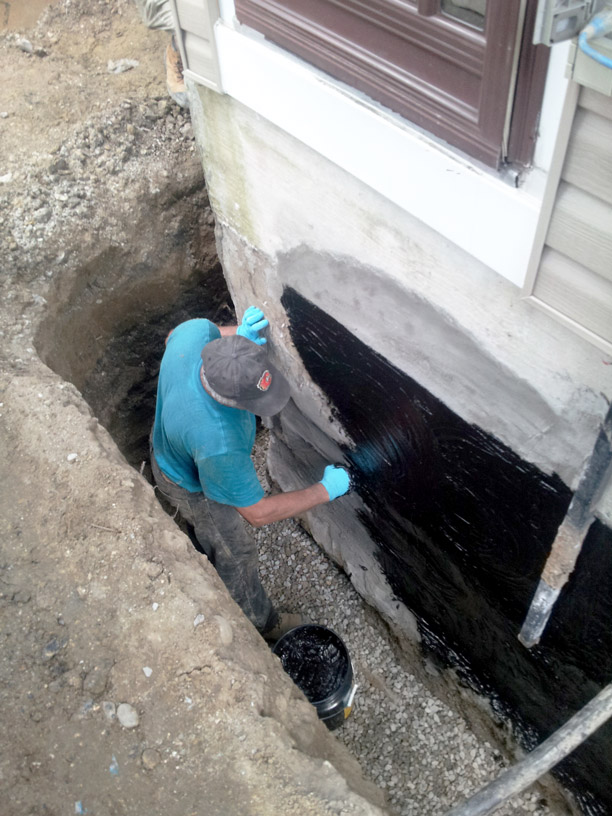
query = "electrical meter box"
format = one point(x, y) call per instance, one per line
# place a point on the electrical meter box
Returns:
point(559, 20)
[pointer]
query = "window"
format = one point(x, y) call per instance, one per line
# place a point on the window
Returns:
point(464, 70)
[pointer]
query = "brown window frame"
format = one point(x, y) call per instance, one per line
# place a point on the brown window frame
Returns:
point(448, 78)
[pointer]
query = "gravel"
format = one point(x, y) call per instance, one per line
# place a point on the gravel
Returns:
point(106, 152)
point(406, 740)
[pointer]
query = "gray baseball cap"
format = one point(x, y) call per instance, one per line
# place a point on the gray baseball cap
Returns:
point(238, 373)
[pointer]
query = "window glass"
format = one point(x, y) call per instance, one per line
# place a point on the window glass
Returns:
point(471, 12)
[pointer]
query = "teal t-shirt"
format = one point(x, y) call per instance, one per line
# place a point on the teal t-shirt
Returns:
point(198, 443)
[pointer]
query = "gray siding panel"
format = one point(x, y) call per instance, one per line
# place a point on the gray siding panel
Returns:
point(588, 165)
point(574, 279)
point(193, 17)
point(581, 228)
point(196, 20)
point(596, 102)
point(575, 292)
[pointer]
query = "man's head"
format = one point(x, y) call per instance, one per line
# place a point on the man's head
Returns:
point(236, 372)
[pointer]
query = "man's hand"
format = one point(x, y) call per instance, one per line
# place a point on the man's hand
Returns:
point(253, 321)
point(336, 481)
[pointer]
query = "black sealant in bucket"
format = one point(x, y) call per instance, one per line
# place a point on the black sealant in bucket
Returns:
point(318, 662)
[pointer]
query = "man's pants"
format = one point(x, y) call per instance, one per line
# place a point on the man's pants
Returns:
point(156, 14)
point(220, 531)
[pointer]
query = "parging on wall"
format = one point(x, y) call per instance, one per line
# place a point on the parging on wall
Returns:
point(288, 217)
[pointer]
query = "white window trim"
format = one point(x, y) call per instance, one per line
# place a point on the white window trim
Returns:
point(466, 203)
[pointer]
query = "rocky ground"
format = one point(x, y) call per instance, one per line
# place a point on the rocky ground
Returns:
point(406, 729)
point(130, 682)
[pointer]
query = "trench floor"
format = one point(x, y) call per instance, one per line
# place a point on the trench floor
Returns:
point(406, 739)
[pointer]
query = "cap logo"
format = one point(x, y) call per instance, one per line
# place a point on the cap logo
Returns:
point(265, 381)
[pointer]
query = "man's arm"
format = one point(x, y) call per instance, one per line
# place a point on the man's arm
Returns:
point(253, 322)
point(225, 331)
point(335, 482)
point(284, 505)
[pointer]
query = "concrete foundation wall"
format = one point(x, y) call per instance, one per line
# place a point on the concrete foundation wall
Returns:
point(288, 217)
point(365, 303)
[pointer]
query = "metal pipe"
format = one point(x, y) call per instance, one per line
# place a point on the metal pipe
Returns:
point(541, 760)
point(570, 536)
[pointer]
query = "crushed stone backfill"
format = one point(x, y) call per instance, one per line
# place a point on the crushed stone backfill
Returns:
point(406, 740)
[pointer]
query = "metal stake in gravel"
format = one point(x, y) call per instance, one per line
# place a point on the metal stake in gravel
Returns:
point(541, 760)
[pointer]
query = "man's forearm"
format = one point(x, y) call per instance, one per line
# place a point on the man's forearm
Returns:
point(284, 505)
point(226, 331)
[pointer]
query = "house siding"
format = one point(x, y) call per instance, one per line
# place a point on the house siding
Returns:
point(575, 273)
point(195, 21)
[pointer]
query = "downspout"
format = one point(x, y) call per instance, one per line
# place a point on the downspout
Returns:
point(570, 536)
point(540, 760)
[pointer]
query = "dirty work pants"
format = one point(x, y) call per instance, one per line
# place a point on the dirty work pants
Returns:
point(220, 531)
point(156, 14)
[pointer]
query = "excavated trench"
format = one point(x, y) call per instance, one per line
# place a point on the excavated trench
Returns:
point(109, 315)
point(121, 386)
point(138, 259)
point(104, 331)
point(111, 347)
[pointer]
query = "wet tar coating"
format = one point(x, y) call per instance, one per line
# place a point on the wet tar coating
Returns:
point(316, 661)
point(462, 527)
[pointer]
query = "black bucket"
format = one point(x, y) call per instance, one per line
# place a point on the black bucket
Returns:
point(318, 662)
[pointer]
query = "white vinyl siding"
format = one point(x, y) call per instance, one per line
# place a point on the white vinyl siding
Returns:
point(195, 29)
point(574, 279)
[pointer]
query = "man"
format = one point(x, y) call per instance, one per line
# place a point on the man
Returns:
point(212, 383)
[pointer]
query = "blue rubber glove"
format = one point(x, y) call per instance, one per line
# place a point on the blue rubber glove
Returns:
point(336, 481)
point(253, 321)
